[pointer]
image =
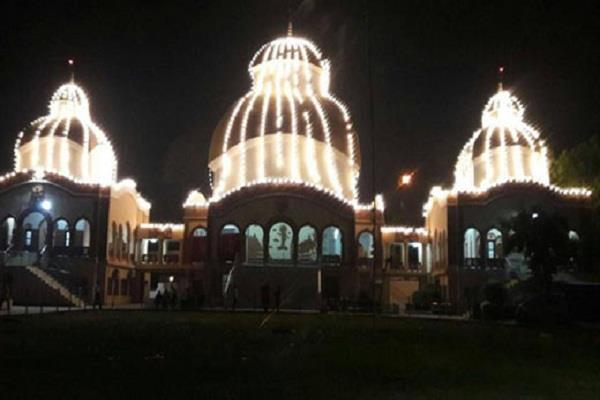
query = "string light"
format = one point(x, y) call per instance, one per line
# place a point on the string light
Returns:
point(51, 152)
point(290, 140)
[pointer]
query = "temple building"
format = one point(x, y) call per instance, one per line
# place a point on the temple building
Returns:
point(283, 217)
point(502, 170)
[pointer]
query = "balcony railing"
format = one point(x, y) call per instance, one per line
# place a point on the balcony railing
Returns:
point(480, 264)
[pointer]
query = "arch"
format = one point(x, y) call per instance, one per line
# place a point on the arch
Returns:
point(82, 233)
point(125, 240)
point(574, 236)
point(229, 242)
point(494, 244)
point(199, 244)
point(61, 237)
point(254, 244)
point(7, 231)
point(307, 245)
point(472, 244)
point(35, 231)
point(366, 243)
point(331, 245)
point(281, 242)
point(119, 241)
point(112, 239)
point(130, 241)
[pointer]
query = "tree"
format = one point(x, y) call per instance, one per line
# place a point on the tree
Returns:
point(544, 241)
point(580, 166)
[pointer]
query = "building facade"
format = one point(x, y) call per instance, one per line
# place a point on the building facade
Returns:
point(283, 219)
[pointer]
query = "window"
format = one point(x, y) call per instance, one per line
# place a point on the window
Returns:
point(281, 237)
point(331, 245)
point(573, 236)
point(415, 255)
point(28, 237)
point(171, 251)
point(61, 234)
point(119, 242)
point(365, 245)
point(307, 244)
point(396, 255)
point(149, 250)
point(494, 244)
point(229, 242)
point(472, 244)
point(82, 233)
point(6, 233)
point(253, 246)
point(35, 229)
point(199, 243)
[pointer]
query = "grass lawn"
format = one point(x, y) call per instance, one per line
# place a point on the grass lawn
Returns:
point(141, 355)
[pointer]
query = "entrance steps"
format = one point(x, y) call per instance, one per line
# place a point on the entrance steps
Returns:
point(51, 282)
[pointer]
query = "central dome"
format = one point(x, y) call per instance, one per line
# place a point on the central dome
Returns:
point(288, 128)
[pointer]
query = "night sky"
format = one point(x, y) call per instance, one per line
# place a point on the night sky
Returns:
point(160, 76)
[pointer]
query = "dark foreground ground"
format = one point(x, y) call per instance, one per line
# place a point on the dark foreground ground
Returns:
point(172, 355)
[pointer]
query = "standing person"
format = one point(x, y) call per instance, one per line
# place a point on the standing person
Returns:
point(97, 297)
point(234, 297)
point(265, 297)
point(277, 297)
point(173, 298)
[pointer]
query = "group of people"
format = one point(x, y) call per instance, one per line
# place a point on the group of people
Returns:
point(166, 299)
point(265, 297)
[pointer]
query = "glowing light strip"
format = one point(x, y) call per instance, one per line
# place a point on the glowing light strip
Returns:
point(310, 159)
point(263, 121)
point(294, 161)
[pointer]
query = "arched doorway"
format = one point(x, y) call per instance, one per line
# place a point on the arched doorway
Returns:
point(34, 231)
point(7, 229)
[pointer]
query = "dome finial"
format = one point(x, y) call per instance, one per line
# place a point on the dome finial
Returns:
point(500, 77)
point(290, 30)
point(71, 63)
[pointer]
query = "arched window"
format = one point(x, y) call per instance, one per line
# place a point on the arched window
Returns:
point(365, 246)
point(281, 239)
point(61, 234)
point(494, 244)
point(331, 245)
point(124, 241)
point(199, 245)
point(119, 242)
point(229, 242)
point(472, 244)
point(82, 234)
point(253, 245)
point(35, 229)
point(7, 230)
point(130, 241)
point(307, 245)
point(573, 236)
point(112, 238)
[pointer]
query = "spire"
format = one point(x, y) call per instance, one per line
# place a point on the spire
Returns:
point(72, 69)
point(290, 12)
point(500, 77)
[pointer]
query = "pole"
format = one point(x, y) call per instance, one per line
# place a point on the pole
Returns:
point(372, 136)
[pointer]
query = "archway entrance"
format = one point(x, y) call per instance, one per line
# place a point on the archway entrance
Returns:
point(34, 231)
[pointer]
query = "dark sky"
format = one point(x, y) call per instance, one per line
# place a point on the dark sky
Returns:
point(161, 74)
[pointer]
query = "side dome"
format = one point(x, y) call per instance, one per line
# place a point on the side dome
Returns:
point(504, 149)
point(288, 128)
point(67, 141)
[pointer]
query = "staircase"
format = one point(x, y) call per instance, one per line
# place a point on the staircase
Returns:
point(56, 286)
